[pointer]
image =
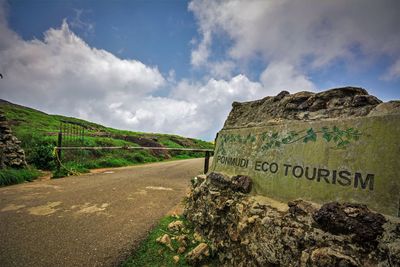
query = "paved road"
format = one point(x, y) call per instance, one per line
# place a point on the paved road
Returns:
point(88, 220)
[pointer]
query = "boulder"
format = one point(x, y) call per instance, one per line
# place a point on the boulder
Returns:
point(342, 102)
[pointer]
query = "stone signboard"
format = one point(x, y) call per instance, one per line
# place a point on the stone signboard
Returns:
point(346, 150)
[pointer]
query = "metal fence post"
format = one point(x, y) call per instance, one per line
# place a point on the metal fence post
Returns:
point(59, 144)
point(206, 162)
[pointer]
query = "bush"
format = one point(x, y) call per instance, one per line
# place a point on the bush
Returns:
point(41, 156)
point(139, 158)
point(16, 176)
point(38, 150)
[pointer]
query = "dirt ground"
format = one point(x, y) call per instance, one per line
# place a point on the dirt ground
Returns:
point(90, 220)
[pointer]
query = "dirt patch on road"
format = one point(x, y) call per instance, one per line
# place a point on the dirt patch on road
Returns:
point(89, 208)
point(47, 209)
point(13, 207)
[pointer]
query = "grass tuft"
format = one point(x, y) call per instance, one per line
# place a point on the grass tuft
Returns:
point(16, 176)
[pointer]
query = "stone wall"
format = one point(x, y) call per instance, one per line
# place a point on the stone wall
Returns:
point(338, 145)
point(246, 230)
point(305, 179)
point(11, 154)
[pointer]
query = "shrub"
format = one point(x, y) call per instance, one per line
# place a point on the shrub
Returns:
point(41, 156)
point(38, 150)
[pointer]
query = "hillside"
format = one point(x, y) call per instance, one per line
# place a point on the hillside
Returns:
point(38, 133)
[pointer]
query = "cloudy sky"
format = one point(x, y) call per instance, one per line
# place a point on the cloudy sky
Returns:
point(176, 66)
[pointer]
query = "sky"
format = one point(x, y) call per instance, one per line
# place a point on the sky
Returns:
point(177, 66)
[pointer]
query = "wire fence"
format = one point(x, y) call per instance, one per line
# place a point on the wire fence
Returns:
point(76, 151)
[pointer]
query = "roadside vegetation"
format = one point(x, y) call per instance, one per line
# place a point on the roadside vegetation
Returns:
point(16, 176)
point(37, 132)
point(159, 250)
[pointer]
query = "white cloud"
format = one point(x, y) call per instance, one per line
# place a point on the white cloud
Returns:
point(157, 114)
point(213, 99)
point(393, 72)
point(284, 77)
point(78, 23)
point(63, 74)
point(221, 69)
point(201, 53)
point(305, 34)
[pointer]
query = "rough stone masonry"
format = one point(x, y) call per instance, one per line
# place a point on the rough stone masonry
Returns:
point(305, 179)
point(248, 230)
point(11, 154)
point(339, 145)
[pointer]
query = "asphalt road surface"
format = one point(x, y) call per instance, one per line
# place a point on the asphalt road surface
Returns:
point(88, 220)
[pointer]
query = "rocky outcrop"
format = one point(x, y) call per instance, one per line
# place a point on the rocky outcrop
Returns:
point(246, 230)
point(343, 102)
point(11, 154)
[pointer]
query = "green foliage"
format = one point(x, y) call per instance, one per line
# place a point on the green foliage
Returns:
point(169, 143)
point(70, 168)
point(38, 150)
point(15, 176)
point(41, 156)
point(182, 156)
point(114, 162)
point(151, 253)
point(38, 133)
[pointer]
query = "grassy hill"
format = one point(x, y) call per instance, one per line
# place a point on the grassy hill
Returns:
point(38, 133)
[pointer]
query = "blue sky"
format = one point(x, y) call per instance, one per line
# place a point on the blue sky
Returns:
point(176, 66)
point(153, 32)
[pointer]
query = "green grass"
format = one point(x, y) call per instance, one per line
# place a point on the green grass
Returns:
point(150, 253)
point(16, 176)
point(38, 133)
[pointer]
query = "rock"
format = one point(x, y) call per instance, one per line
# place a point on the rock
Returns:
point(181, 250)
point(244, 231)
point(198, 237)
point(200, 179)
point(301, 207)
point(365, 100)
point(252, 219)
point(175, 226)
point(391, 107)
point(241, 183)
point(11, 154)
point(281, 95)
point(219, 180)
point(182, 240)
point(165, 240)
point(327, 257)
point(176, 259)
point(394, 252)
point(350, 218)
point(198, 254)
point(335, 103)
